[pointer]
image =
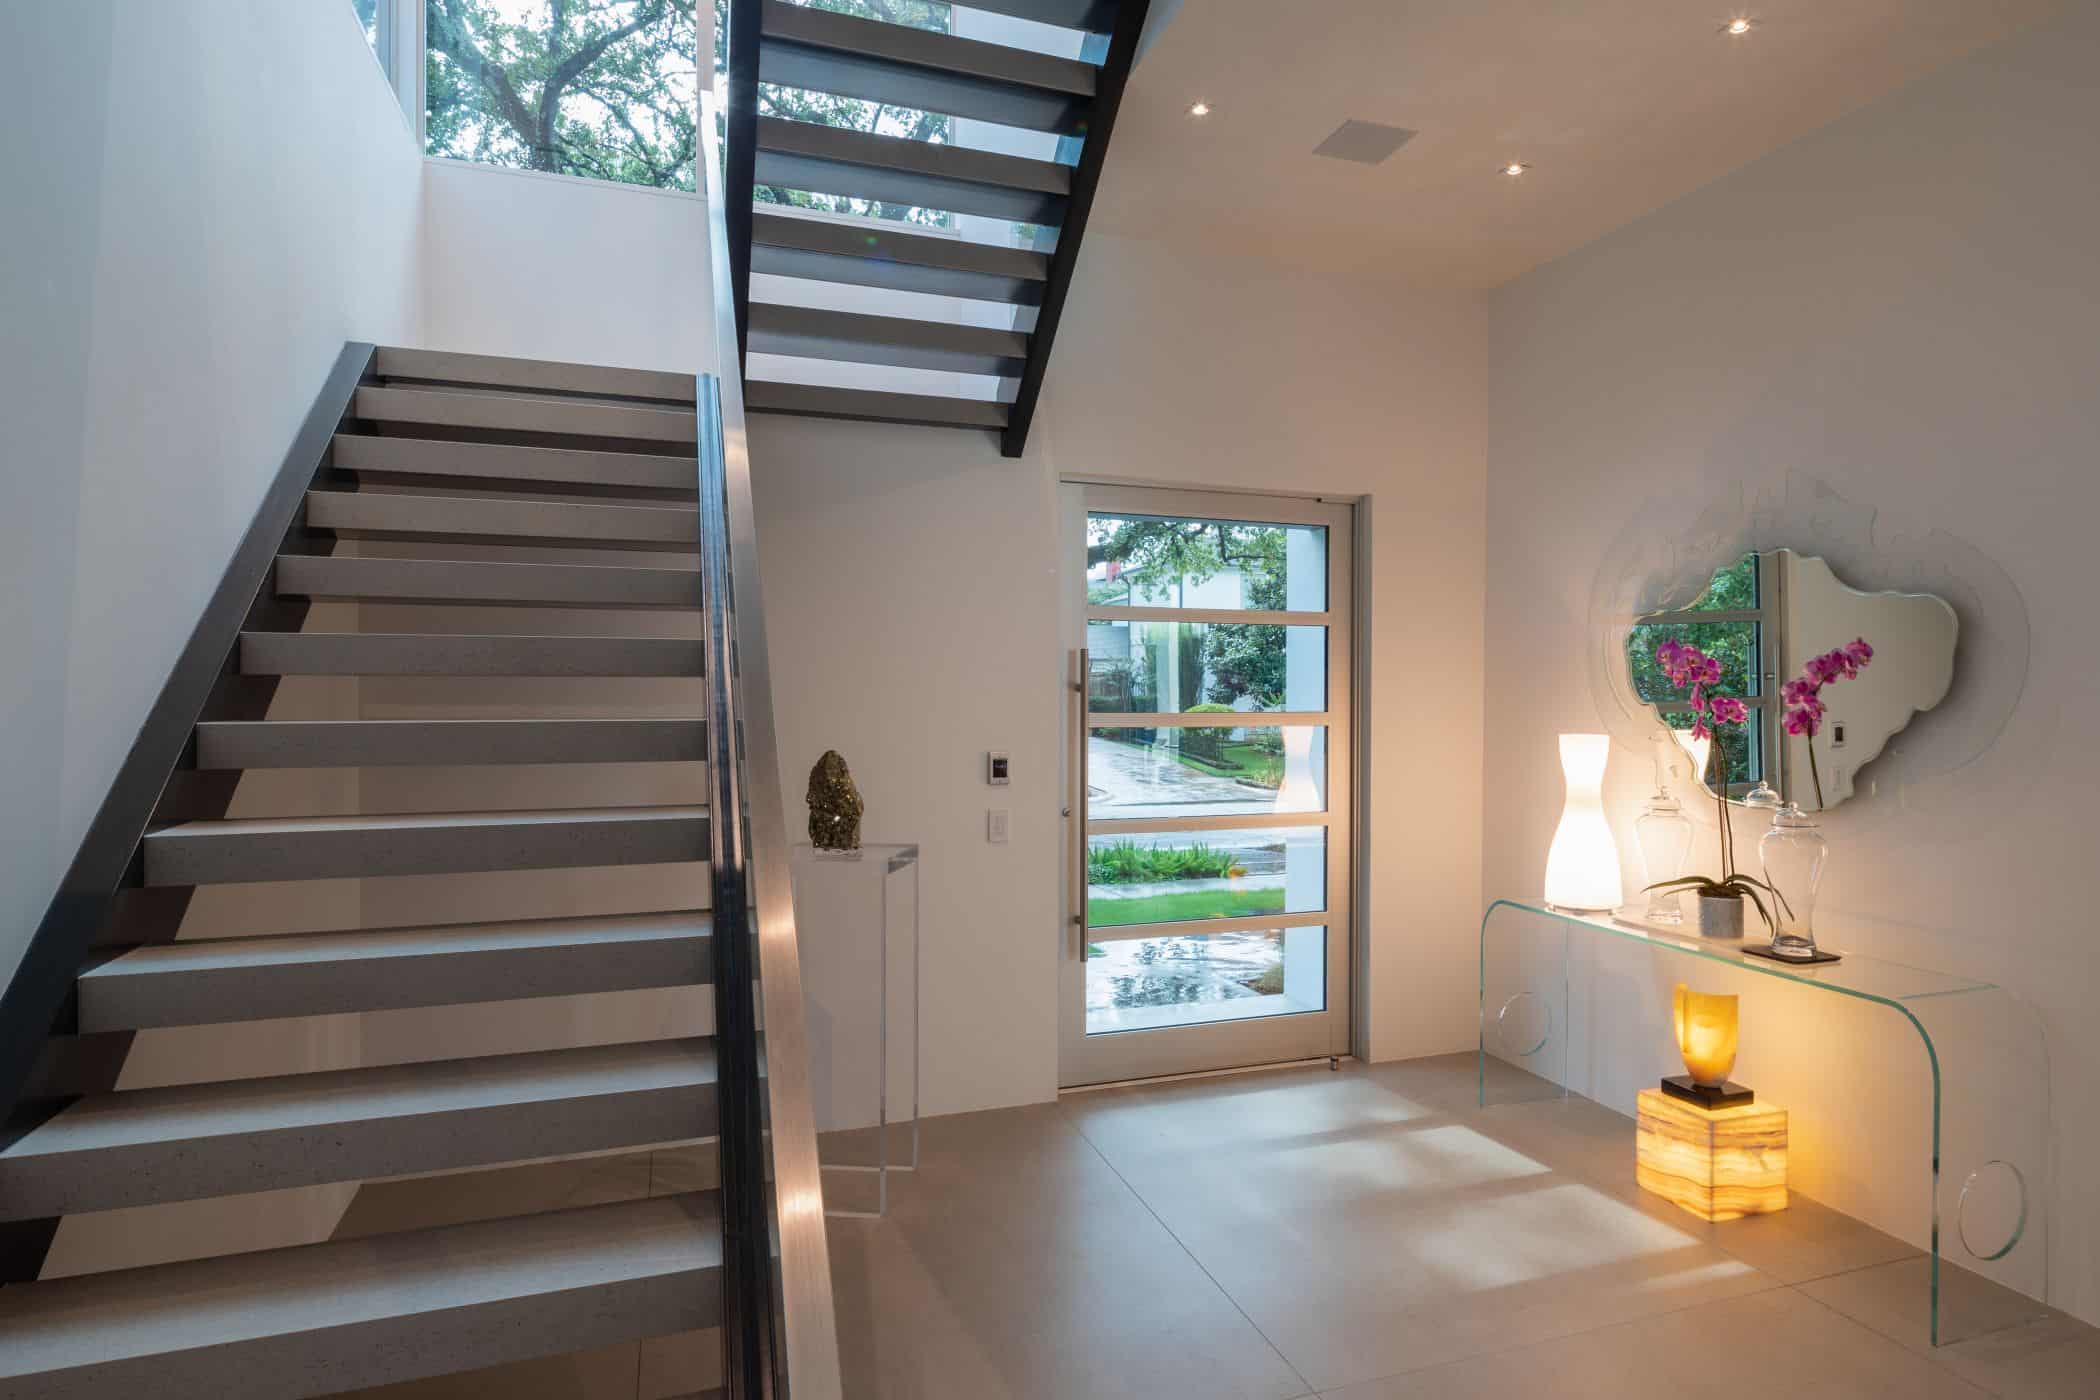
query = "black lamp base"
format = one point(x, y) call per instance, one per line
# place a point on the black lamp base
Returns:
point(1766, 950)
point(1681, 1086)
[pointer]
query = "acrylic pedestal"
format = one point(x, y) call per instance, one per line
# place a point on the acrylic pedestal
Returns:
point(1917, 1101)
point(857, 917)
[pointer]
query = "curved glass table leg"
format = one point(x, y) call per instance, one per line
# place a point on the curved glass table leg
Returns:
point(1919, 1101)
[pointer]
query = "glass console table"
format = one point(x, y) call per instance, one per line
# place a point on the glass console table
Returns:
point(1919, 1101)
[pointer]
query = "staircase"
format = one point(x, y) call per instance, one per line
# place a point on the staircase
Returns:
point(433, 487)
point(998, 205)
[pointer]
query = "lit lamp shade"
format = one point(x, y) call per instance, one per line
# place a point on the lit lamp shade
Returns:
point(1582, 867)
point(1706, 1034)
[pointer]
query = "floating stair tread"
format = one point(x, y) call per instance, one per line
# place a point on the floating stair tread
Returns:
point(361, 743)
point(903, 154)
point(206, 981)
point(435, 843)
point(483, 581)
point(824, 51)
point(443, 654)
point(1095, 16)
point(500, 412)
point(492, 463)
point(776, 318)
point(317, 1318)
point(869, 239)
point(143, 1146)
point(588, 523)
point(507, 372)
point(869, 405)
point(920, 48)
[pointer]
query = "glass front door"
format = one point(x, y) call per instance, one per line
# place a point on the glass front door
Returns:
point(1209, 845)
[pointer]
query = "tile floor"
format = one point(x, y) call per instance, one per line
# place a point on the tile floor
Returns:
point(1370, 1235)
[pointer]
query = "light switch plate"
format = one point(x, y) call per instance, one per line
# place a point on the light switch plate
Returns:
point(995, 824)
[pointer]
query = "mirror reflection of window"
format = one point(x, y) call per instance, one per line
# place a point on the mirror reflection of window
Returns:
point(1763, 617)
point(1729, 621)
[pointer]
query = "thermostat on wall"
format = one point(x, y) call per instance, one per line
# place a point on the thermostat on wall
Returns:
point(995, 764)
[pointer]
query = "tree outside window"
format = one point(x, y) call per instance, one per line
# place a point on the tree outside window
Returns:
point(608, 89)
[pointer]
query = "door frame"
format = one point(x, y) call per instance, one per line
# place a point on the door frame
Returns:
point(1228, 1043)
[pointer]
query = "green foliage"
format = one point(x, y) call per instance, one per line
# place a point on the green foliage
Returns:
point(1128, 863)
point(826, 109)
point(601, 88)
point(1733, 644)
point(1243, 659)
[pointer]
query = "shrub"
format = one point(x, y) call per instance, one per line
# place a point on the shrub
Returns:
point(1128, 863)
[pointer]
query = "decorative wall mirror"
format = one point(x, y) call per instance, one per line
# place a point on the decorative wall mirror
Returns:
point(1764, 618)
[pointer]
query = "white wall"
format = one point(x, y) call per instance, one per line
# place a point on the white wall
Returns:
point(199, 215)
point(518, 262)
point(911, 591)
point(1903, 307)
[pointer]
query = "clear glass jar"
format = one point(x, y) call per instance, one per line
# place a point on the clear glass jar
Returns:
point(1665, 835)
point(1792, 853)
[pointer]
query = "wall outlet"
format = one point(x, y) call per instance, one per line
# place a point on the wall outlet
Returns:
point(995, 820)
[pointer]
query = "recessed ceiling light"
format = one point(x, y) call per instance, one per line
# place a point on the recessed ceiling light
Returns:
point(1199, 109)
point(1741, 24)
point(1515, 167)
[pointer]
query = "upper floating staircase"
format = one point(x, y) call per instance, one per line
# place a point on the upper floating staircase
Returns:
point(424, 489)
point(999, 226)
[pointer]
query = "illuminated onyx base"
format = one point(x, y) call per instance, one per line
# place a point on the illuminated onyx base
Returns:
point(1718, 1163)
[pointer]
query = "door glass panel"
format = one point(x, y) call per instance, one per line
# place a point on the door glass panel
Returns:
point(1202, 667)
point(1205, 771)
point(1148, 984)
point(1140, 561)
point(1166, 877)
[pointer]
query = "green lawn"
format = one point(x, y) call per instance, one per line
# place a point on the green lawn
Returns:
point(1190, 904)
point(1249, 763)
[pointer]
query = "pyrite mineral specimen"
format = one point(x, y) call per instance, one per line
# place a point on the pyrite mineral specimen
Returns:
point(834, 805)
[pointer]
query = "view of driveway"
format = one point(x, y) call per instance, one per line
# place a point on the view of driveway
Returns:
point(1146, 780)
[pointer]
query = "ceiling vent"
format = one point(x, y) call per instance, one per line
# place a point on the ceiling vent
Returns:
point(1366, 143)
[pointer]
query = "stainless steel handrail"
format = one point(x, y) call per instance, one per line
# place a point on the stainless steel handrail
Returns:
point(783, 1320)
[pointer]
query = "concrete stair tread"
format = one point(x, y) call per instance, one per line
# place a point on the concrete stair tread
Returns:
point(465, 654)
point(589, 524)
point(208, 981)
point(485, 582)
point(552, 376)
point(191, 1142)
point(356, 743)
point(409, 821)
point(353, 945)
point(314, 1318)
point(235, 1108)
point(500, 412)
point(247, 849)
point(490, 465)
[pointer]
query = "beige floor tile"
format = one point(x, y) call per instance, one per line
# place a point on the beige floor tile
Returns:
point(1366, 1229)
point(1773, 1344)
point(2006, 1343)
point(1015, 1263)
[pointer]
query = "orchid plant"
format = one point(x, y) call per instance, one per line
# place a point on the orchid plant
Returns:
point(1803, 696)
point(1693, 670)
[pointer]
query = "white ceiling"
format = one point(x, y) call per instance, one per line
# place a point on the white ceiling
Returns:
point(1619, 106)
